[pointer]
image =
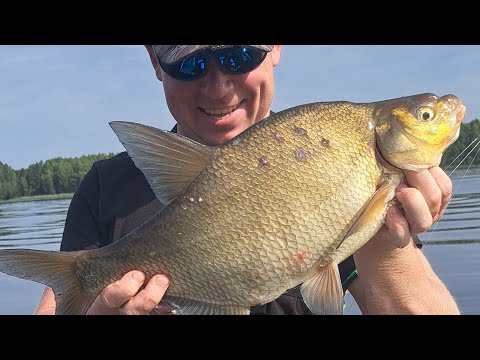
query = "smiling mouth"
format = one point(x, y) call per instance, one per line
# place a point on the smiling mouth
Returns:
point(220, 113)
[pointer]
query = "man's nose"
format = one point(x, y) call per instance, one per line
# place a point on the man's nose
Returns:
point(216, 84)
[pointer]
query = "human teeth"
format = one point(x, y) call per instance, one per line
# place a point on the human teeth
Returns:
point(223, 112)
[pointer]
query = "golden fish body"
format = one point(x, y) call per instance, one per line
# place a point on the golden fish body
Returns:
point(279, 205)
point(270, 205)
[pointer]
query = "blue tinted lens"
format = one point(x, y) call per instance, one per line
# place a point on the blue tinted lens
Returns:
point(241, 59)
point(189, 68)
point(233, 60)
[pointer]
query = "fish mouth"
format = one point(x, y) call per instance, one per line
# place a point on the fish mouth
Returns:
point(461, 113)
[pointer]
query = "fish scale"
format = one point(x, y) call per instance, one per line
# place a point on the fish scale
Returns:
point(279, 205)
point(235, 216)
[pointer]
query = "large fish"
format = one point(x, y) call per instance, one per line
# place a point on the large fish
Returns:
point(279, 205)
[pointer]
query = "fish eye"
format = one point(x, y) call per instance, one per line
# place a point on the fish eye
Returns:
point(425, 114)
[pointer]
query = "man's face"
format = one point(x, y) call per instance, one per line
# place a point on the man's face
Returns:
point(219, 106)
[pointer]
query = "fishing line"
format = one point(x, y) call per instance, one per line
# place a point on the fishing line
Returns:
point(457, 188)
point(461, 154)
point(468, 168)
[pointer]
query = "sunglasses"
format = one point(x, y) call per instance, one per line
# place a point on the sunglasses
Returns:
point(232, 60)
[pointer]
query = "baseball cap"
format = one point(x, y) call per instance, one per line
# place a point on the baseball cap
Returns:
point(169, 54)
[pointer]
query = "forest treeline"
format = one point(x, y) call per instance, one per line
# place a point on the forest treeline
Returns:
point(63, 175)
point(55, 176)
point(469, 132)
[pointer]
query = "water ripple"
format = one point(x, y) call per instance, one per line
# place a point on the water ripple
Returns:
point(454, 242)
point(32, 224)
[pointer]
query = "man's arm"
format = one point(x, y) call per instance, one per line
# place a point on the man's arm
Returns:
point(398, 281)
point(394, 275)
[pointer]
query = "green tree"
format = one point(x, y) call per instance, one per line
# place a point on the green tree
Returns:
point(8, 182)
point(46, 178)
point(34, 178)
point(22, 185)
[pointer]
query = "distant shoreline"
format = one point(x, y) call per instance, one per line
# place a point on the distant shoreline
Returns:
point(38, 198)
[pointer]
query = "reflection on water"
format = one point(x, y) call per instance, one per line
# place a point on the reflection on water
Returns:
point(35, 224)
point(461, 221)
point(39, 225)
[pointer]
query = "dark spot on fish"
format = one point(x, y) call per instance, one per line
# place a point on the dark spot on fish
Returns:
point(300, 131)
point(278, 137)
point(301, 154)
point(325, 142)
point(262, 161)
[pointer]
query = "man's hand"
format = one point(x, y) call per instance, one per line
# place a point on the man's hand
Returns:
point(124, 298)
point(423, 200)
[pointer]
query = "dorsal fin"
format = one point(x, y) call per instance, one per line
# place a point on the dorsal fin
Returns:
point(170, 162)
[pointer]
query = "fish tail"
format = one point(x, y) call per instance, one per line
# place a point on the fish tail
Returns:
point(51, 268)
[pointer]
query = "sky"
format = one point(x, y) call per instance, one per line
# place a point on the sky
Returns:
point(57, 100)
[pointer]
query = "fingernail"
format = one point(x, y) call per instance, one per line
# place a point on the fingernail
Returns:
point(138, 276)
point(161, 281)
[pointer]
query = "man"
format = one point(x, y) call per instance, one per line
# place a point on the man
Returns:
point(214, 93)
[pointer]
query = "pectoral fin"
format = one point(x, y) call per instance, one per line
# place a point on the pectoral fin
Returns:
point(374, 207)
point(170, 162)
point(323, 293)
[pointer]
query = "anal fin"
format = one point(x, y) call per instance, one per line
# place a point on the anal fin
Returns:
point(171, 305)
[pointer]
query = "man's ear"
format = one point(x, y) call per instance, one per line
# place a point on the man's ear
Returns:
point(276, 54)
point(155, 64)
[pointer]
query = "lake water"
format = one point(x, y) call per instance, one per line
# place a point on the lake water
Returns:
point(453, 247)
